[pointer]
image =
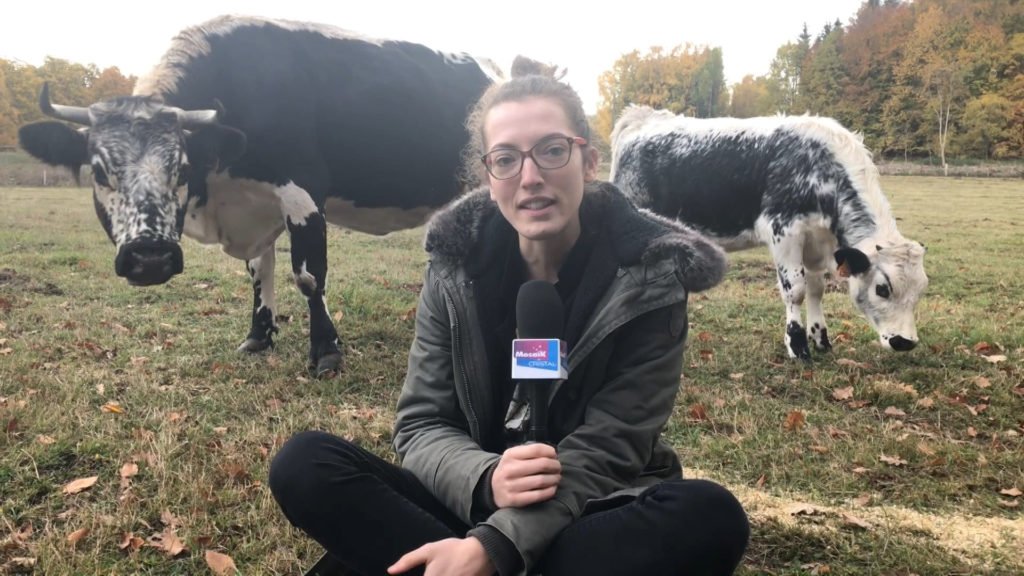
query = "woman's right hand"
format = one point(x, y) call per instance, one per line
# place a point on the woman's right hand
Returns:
point(526, 475)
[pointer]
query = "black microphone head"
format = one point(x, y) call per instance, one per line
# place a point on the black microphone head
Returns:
point(539, 312)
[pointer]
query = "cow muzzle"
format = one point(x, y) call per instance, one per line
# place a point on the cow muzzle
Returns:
point(148, 262)
point(901, 344)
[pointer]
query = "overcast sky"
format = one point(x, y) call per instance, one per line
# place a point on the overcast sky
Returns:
point(579, 36)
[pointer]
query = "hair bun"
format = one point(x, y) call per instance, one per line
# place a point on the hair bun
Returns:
point(523, 66)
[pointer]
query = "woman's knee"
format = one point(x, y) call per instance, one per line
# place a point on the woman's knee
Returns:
point(293, 471)
point(716, 507)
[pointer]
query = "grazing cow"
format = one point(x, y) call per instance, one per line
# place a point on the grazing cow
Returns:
point(803, 185)
point(249, 127)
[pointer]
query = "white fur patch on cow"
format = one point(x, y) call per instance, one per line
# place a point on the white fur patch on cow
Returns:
point(378, 221)
point(243, 216)
point(296, 204)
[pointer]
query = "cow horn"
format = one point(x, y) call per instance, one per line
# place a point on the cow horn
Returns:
point(76, 114)
point(195, 118)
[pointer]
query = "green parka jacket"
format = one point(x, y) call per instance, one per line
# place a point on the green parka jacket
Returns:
point(623, 372)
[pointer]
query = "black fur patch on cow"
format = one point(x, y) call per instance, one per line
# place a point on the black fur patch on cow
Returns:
point(798, 340)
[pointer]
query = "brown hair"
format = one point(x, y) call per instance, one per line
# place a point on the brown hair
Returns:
point(518, 89)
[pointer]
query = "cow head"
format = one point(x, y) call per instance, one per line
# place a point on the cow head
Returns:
point(145, 158)
point(886, 285)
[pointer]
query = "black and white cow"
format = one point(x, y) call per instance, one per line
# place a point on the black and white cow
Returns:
point(250, 127)
point(803, 185)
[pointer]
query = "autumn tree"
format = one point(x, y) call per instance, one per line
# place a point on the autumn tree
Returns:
point(823, 78)
point(751, 97)
point(686, 80)
point(785, 72)
point(110, 83)
point(988, 127)
point(8, 120)
point(930, 68)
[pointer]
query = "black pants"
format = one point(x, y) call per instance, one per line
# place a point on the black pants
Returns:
point(368, 512)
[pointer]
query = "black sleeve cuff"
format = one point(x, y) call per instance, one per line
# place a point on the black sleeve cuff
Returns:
point(483, 497)
point(499, 549)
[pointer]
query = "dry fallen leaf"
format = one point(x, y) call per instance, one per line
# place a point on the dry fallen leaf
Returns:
point(895, 412)
point(1009, 503)
point(760, 482)
point(981, 382)
point(112, 407)
point(995, 358)
point(925, 449)
point(972, 432)
point(926, 402)
point(852, 521)
point(18, 565)
point(77, 535)
point(169, 519)
point(220, 564)
point(1011, 492)
point(736, 376)
point(852, 363)
point(862, 500)
point(168, 542)
point(77, 486)
point(803, 510)
point(130, 542)
point(892, 460)
point(843, 393)
point(6, 351)
point(795, 420)
point(129, 469)
point(697, 412)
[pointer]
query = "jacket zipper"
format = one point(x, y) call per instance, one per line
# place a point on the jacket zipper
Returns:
point(460, 360)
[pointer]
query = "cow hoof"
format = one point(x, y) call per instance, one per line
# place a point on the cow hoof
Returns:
point(328, 366)
point(801, 354)
point(824, 348)
point(252, 345)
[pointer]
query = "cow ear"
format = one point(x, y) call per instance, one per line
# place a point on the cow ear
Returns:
point(56, 144)
point(851, 262)
point(215, 147)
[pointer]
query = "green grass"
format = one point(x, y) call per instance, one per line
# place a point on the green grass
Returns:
point(201, 421)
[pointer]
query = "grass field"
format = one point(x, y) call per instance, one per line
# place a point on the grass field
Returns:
point(862, 462)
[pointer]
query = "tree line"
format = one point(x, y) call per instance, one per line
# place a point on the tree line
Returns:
point(924, 79)
point(71, 83)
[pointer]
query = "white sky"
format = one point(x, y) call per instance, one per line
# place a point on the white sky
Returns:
point(586, 40)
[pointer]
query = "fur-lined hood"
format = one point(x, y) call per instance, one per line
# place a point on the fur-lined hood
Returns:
point(638, 235)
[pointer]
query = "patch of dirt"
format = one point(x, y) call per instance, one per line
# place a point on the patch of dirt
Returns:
point(964, 535)
point(11, 279)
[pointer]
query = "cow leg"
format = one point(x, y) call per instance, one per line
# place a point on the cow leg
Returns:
point(815, 314)
point(261, 270)
point(307, 230)
point(788, 254)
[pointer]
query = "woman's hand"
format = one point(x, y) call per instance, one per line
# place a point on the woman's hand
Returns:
point(451, 556)
point(526, 475)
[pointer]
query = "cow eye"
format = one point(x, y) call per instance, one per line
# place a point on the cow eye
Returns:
point(100, 175)
point(882, 291)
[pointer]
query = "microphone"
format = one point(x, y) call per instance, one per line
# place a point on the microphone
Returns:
point(537, 353)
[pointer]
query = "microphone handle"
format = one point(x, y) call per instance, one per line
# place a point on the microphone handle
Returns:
point(538, 391)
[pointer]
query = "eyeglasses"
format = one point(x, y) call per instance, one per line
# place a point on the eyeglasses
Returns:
point(548, 154)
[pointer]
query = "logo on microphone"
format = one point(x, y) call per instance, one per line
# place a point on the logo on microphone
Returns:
point(537, 359)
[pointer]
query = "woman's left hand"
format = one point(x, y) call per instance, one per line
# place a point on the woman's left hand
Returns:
point(451, 556)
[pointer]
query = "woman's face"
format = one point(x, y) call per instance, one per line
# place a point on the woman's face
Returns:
point(541, 204)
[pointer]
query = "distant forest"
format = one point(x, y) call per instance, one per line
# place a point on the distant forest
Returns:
point(933, 79)
point(926, 79)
